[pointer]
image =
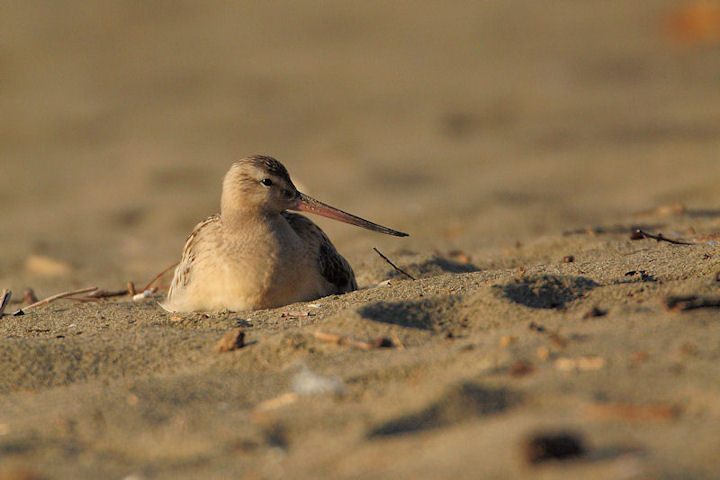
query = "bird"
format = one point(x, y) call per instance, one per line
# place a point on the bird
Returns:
point(256, 254)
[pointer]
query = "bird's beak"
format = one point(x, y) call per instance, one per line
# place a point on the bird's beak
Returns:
point(309, 204)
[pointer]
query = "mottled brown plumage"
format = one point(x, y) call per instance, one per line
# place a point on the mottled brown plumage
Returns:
point(256, 254)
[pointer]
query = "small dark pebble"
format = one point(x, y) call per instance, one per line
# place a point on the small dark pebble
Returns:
point(595, 312)
point(59, 336)
point(541, 447)
point(383, 342)
point(536, 327)
point(232, 340)
point(276, 436)
point(568, 259)
point(243, 323)
point(644, 276)
point(521, 368)
point(717, 277)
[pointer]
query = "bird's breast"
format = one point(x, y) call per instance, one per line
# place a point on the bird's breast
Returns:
point(272, 269)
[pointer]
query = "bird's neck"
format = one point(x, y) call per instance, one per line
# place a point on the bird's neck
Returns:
point(244, 221)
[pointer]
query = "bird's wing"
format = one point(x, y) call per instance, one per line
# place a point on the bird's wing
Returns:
point(200, 234)
point(333, 267)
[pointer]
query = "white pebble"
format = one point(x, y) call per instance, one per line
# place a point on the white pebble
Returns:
point(141, 296)
point(307, 382)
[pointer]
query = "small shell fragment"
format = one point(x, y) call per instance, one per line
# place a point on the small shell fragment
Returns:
point(141, 296)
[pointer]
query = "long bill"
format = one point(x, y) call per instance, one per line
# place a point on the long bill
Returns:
point(309, 204)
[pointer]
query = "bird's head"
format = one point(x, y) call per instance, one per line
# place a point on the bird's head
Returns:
point(260, 185)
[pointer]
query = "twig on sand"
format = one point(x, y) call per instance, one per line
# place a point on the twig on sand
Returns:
point(4, 300)
point(397, 269)
point(343, 340)
point(97, 295)
point(154, 279)
point(106, 294)
point(640, 234)
point(52, 298)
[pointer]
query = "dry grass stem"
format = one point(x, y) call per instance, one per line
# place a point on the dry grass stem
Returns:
point(4, 300)
point(100, 293)
point(640, 234)
point(107, 294)
point(156, 277)
point(397, 269)
point(343, 340)
point(52, 298)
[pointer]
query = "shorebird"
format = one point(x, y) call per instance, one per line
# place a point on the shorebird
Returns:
point(255, 253)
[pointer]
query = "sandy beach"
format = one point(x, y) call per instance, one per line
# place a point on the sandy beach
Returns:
point(522, 145)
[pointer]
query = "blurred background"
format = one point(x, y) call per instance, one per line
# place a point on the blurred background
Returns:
point(471, 125)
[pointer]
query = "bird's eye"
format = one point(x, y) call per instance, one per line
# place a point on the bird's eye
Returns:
point(266, 181)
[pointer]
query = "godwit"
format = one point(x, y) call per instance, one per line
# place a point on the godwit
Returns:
point(256, 254)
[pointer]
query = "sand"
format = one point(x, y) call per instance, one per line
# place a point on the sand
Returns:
point(519, 144)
